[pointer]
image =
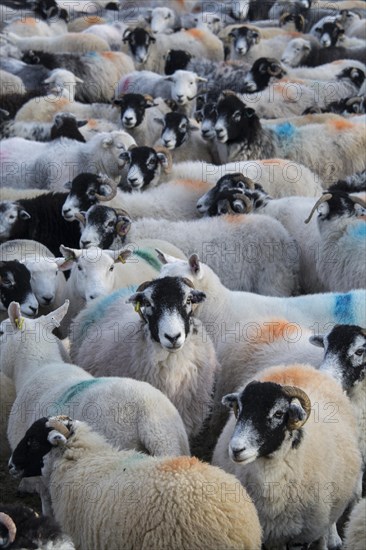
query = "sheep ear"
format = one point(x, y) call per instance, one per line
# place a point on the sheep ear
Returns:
point(197, 296)
point(169, 78)
point(68, 185)
point(317, 340)
point(307, 46)
point(81, 123)
point(198, 115)
point(23, 215)
point(249, 112)
point(149, 101)
point(55, 438)
point(256, 37)
point(165, 258)
point(70, 255)
point(15, 315)
point(194, 263)
point(55, 317)
point(107, 142)
point(122, 255)
point(201, 79)
point(193, 127)
point(159, 121)
point(163, 160)
point(231, 400)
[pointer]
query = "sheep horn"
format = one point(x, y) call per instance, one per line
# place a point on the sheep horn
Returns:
point(188, 282)
point(246, 200)
point(10, 526)
point(143, 286)
point(323, 198)
point(249, 183)
point(79, 216)
point(276, 71)
point(298, 393)
point(352, 100)
point(104, 179)
point(56, 423)
point(358, 200)
point(169, 157)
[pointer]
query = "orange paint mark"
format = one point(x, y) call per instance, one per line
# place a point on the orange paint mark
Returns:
point(95, 20)
point(275, 329)
point(109, 55)
point(276, 162)
point(291, 375)
point(194, 184)
point(27, 21)
point(198, 34)
point(236, 218)
point(179, 463)
point(92, 123)
point(341, 124)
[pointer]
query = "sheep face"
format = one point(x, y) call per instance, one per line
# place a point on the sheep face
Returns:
point(261, 431)
point(263, 69)
point(338, 205)
point(15, 286)
point(11, 215)
point(329, 33)
point(240, 9)
point(145, 166)
point(296, 51)
point(133, 108)
point(44, 280)
point(184, 86)
point(176, 130)
point(166, 306)
point(344, 354)
point(235, 121)
point(139, 41)
point(232, 182)
point(85, 191)
point(244, 38)
point(102, 226)
point(162, 20)
point(207, 116)
point(176, 60)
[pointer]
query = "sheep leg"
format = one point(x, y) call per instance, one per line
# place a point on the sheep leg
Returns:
point(334, 541)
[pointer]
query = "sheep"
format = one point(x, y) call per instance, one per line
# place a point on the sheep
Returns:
point(253, 241)
point(147, 51)
point(39, 219)
point(171, 350)
point(109, 32)
point(340, 259)
point(31, 75)
point(164, 20)
point(7, 393)
point(175, 485)
point(344, 359)
point(96, 272)
point(15, 285)
point(63, 125)
point(332, 33)
point(285, 430)
point(182, 86)
point(137, 116)
point(10, 83)
point(22, 527)
point(180, 135)
point(248, 336)
point(47, 282)
point(31, 26)
point(68, 43)
point(355, 530)
point(99, 70)
point(150, 422)
point(144, 166)
point(49, 165)
point(327, 71)
point(334, 147)
point(300, 51)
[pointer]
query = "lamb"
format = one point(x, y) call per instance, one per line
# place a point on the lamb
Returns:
point(262, 248)
point(22, 527)
point(50, 165)
point(150, 422)
point(170, 349)
point(355, 531)
point(340, 260)
point(285, 429)
point(242, 137)
point(179, 134)
point(344, 359)
point(300, 51)
point(68, 43)
point(248, 336)
point(137, 116)
point(15, 285)
point(47, 282)
point(39, 219)
point(175, 486)
point(147, 51)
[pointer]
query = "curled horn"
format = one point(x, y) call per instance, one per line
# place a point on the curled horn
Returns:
point(246, 200)
point(80, 217)
point(249, 183)
point(358, 200)
point(57, 424)
point(228, 93)
point(143, 286)
point(10, 526)
point(119, 224)
point(276, 71)
point(168, 155)
point(323, 198)
point(188, 282)
point(353, 100)
point(102, 178)
point(298, 393)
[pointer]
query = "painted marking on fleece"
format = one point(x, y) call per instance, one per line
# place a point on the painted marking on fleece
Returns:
point(358, 231)
point(285, 131)
point(343, 311)
point(76, 389)
point(149, 257)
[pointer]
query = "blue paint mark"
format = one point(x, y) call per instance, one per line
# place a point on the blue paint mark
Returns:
point(285, 131)
point(343, 311)
point(149, 258)
point(358, 231)
point(76, 389)
point(92, 54)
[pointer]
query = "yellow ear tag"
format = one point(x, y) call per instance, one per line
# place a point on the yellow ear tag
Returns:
point(121, 259)
point(19, 323)
point(138, 307)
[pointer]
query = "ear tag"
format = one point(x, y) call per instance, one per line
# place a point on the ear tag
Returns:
point(122, 260)
point(138, 307)
point(19, 322)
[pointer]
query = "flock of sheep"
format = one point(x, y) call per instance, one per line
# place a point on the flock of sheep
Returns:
point(182, 273)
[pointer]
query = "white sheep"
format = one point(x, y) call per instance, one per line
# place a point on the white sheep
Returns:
point(8, 394)
point(10, 84)
point(341, 253)
point(281, 453)
point(252, 332)
point(163, 20)
point(70, 42)
point(355, 530)
point(253, 253)
point(34, 164)
point(162, 344)
point(174, 503)
point(129, 413)
point(47, 282)
point(109, 32)
point(328, 71)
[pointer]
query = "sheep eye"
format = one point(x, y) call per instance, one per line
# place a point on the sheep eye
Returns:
point(167, 16)
point(80, 268)
point(111, 268)
point(92, 192)
point(11, 217)
point(359, 352)
point(6, 283)
point(110, 224)
point(278, 414)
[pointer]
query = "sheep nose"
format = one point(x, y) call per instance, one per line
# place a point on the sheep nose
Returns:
point(34, 309)
point(173, 339)
point(47, 299)
point(91, 296)
point(237, 452)
point(167, 142)
point(205, 132)
point(66, 210)
point(85, 243)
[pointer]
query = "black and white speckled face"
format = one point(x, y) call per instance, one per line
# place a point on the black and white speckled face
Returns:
point(234, 121)
point(166, 305)
point(15, 286)
point(208, 203)
point(144, 166)
point(10, 213)
point(133, 107)
point(338, 206)
point(139, 41)
point(344, 354)
point(103, 225)
point(175, 131)
point(82, 194)
point(262, 411)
